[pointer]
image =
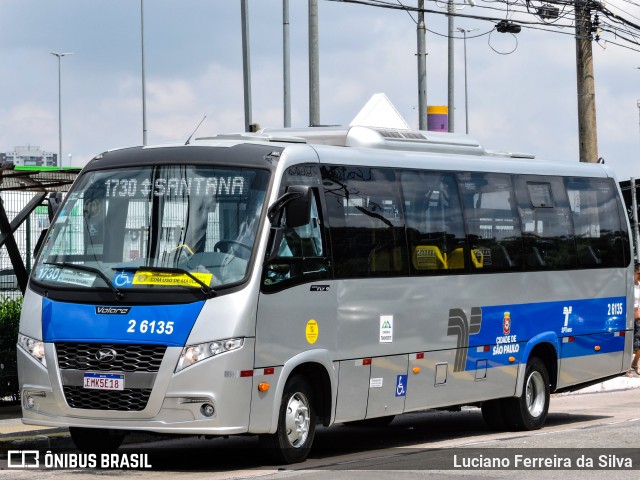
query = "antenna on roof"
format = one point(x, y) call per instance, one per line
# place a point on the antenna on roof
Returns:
point(194, 132)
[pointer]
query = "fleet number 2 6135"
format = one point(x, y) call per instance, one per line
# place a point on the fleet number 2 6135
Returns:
point(154, 326)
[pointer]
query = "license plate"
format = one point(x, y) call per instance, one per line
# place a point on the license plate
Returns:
point(104, 381)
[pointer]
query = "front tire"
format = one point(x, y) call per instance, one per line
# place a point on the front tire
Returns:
point(529, 411)
point(296, 424)
point(96, 440)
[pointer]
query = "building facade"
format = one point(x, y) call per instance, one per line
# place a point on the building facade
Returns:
point(31, 155)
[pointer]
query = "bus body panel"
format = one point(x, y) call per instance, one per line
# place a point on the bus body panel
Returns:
point(174, 406)
point(297, 319)
point(265, 406)
point(353, 390)
point(31, 315)
point(387, 386)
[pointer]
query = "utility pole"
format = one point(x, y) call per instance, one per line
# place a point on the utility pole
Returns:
point(451, 103)
point(286, 66)
point(422, 68)
point(59, 55)
point(246, 65)
point(314, 66)
point(144, 88)
point(587, 132)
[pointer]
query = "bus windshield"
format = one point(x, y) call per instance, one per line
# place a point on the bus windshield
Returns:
point(184, 226)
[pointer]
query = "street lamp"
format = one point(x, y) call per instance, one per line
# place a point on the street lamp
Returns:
point(144, 88)
point(466, 95)
point(60, 55)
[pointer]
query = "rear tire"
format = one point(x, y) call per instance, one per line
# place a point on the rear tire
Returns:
point(529, 411)
point(96, 440)
point(296, 424)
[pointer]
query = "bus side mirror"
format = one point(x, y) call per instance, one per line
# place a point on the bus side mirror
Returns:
point(55, 199)
point(296, 203)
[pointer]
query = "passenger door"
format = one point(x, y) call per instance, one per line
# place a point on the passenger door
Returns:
point(297, 304)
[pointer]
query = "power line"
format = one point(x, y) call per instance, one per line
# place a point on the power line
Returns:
point(621, 27)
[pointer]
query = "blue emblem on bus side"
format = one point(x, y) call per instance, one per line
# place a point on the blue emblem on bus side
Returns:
point(401, 386)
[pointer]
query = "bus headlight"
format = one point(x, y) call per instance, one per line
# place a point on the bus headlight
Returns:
point(34, 347)
point(194, 353)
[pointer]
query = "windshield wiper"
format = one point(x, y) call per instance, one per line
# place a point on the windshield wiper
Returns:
point(119, 295)
point(207, 291)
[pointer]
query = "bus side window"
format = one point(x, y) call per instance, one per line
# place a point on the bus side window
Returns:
point(600, 236)
point(492, 223)
point(366, 221)
point(434, 222)
point(547, 229)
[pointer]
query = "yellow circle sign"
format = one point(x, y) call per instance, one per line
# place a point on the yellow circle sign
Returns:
point(312, 331)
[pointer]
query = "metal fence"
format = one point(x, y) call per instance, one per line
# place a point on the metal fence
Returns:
point(25, 236)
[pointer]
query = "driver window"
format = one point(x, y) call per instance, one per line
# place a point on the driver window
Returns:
point(301, 253)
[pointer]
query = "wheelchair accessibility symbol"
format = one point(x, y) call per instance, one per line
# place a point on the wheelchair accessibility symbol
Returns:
point(401, 386)
point(123, 279)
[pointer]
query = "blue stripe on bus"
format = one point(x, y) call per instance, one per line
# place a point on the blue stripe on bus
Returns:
point(147, 324)
point(581, 327)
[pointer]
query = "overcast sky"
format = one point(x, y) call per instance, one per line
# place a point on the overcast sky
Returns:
point(521, 101)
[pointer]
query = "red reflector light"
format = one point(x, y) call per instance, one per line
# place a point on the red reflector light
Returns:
point(419, 356)
point(366, 361)
point(486, 348)
point(570, 339)
point(622, 333)
point(246, 373)
point(269, 371)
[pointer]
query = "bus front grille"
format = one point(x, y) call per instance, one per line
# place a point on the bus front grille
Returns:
point(128, 400)
point(138, 363)
point(125, 358)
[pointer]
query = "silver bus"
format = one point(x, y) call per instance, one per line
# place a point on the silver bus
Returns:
point(266, 283)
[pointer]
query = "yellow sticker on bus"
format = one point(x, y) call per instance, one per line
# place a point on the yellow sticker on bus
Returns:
point(171, 279)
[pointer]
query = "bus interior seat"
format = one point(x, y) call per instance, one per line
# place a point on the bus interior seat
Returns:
point(455, 260)
point(428, 257)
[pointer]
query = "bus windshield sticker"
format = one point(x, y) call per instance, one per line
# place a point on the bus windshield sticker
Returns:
point(84, 279)
point(143, 277)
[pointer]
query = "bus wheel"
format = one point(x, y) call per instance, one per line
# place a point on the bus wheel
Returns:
point(529, 412)
point(493, 414)
point(96, 440)
point(296, 424)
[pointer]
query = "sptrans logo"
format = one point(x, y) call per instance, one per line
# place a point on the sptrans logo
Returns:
point(462, 328)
